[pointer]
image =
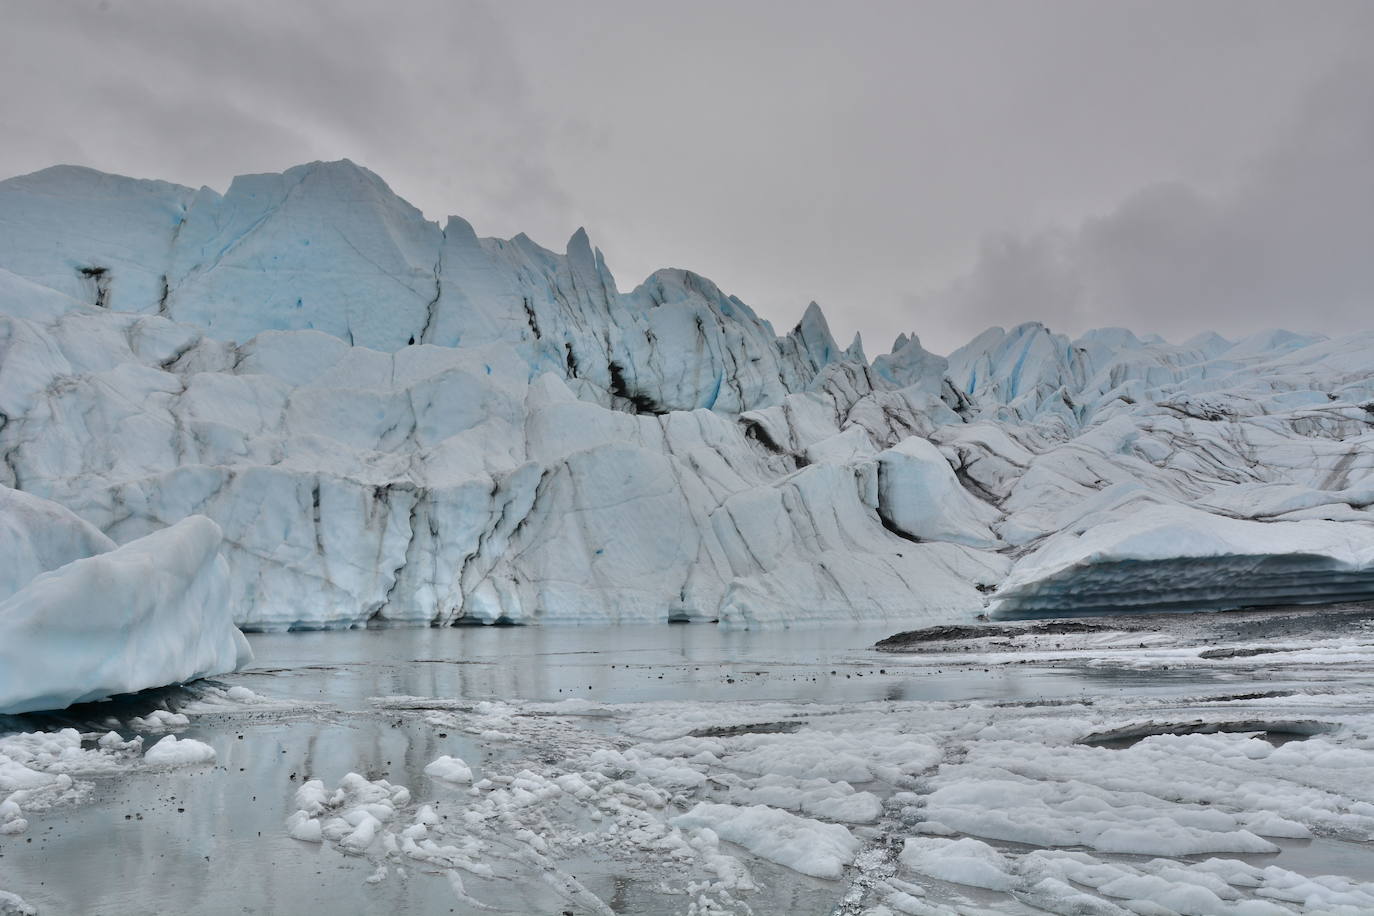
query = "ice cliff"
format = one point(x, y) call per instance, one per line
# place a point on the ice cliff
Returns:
point(396, 422)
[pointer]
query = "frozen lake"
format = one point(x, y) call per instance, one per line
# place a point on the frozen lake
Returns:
point(667, 717)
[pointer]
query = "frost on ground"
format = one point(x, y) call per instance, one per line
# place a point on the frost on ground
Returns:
point(886, 807)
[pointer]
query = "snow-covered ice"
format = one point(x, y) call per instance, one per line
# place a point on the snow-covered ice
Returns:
point(300, 405)
point(800, 843)
point(1012, 800)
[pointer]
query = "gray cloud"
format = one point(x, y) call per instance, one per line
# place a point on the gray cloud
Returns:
point(861, 155)
point(427, 94)
point(1290, 243)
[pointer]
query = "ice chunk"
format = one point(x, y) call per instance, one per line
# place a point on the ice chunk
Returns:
point(799, 843)
point(450, 769)
point(14, 905)
point(159, 720)
point(172, 752)
point(37, 535)
point(964, 861)
point(151, 613)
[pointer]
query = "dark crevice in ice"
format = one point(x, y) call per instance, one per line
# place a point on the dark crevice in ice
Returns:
point(531, 319)
point(621, 389)
point(100, 280)
point(1274, 731)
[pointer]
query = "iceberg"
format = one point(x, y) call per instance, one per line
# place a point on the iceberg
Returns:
point(151, 613)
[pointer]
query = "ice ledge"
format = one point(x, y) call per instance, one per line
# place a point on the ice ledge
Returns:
point(1175, 558)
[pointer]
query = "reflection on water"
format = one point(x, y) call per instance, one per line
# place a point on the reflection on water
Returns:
point(210, 840)
point(636, 664)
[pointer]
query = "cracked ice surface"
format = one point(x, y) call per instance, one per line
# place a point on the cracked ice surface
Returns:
point(914, 807)
point(1186, 776)
point(1073, 823)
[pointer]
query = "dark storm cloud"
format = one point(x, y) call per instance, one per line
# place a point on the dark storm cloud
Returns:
point(1165, 165)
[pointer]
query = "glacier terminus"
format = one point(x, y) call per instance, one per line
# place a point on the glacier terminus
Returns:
point(232, 421)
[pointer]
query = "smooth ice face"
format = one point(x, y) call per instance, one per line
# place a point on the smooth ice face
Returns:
point(324, 246)
point(395, 422)
point(919, 496)
point(151, 613)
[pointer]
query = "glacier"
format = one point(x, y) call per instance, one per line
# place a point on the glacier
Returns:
point(394, 422)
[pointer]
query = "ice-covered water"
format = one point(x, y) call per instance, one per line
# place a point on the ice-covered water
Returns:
point(637, 707)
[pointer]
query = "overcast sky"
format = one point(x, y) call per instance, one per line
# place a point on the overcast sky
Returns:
point(929, 166)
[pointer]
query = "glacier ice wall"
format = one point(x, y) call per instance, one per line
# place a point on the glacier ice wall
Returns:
point(397, 422)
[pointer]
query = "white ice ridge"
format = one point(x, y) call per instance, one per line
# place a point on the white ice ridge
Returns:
point(151, 613)
point(398, 423)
